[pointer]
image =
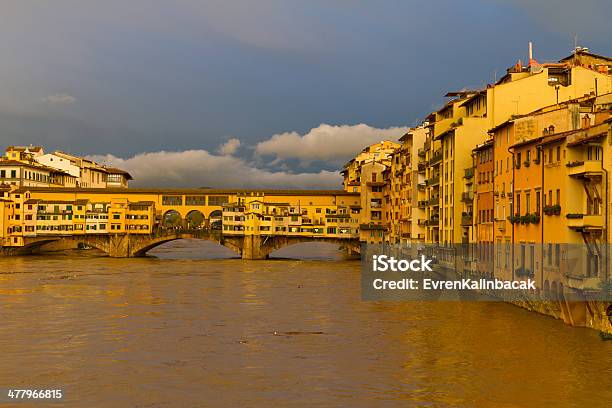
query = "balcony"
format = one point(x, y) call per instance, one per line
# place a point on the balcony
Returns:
point(585, 222)
point(436, 157)
point(421, 186)
point(421, 152)
point(584, 283)
point(584, 168)
point(467, 197)
point(435, 201)
point(421, 167)
point(432, 222)
point(468, 173)
point(433, 181)
point(423, 203)
point(466, 220)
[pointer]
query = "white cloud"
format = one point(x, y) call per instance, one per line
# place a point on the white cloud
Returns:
point(199, 168)
point(327, 143)
point(59, 98)
point(230, 147)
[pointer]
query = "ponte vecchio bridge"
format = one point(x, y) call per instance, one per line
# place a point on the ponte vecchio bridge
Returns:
point(129, 222)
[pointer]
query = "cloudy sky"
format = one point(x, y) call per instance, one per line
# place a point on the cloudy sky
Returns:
point(266, 92)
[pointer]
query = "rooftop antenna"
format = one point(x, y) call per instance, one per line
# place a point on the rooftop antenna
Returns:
point(575, 43)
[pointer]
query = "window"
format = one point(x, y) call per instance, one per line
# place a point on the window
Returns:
point(527, 203)
point(218, 200)
point(172, 200)
point(550, 155)
point(537, 207)
point(550, 201)
point(195, 200)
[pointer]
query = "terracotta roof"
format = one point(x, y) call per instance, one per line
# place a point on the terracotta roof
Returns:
point(501, 126)
point(114, 170)
point(24, 148)
point(473, 97)
point(38, 166)
point(571, 56)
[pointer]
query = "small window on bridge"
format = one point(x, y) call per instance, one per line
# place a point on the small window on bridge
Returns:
point(218, 200)
point(195, 200)
point(172, 200)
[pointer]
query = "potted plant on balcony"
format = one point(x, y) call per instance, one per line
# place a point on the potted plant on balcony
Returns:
point(534, 218)
point(556, 209)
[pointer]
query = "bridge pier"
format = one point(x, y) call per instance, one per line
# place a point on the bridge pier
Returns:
point(252, 248)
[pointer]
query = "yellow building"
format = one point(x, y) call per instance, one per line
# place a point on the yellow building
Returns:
point(30, 166)
point(31, 212)
point(464, 122)
point(550, 191)
point(365, 174)
point(402, 213)
point(432, 151)
point(258, 216)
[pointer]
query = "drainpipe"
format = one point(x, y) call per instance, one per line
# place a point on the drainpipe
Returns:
point(607, 272)
point(542, 194)
point(512, 208)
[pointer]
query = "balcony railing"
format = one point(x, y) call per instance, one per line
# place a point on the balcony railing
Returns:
point(466, 220)
point(467, 197)
point(435, 200)
point(433, 181)
point(585, 221)
point(581, 168)
point(436, 157)
point(469, 173)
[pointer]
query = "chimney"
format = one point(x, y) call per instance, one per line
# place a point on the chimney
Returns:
point(530, 52)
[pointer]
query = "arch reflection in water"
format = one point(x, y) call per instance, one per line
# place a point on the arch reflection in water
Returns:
point(200, 249)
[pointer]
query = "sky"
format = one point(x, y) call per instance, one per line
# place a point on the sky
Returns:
point(266, 93)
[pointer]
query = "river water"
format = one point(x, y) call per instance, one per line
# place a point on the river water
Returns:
point(176, 330)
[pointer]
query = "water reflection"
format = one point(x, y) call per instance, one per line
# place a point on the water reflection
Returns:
point(174, 330)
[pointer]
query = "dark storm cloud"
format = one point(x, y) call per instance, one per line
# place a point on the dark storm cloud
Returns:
point(124, 78)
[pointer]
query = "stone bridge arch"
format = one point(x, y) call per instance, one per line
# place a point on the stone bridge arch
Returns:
point(133, 245)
